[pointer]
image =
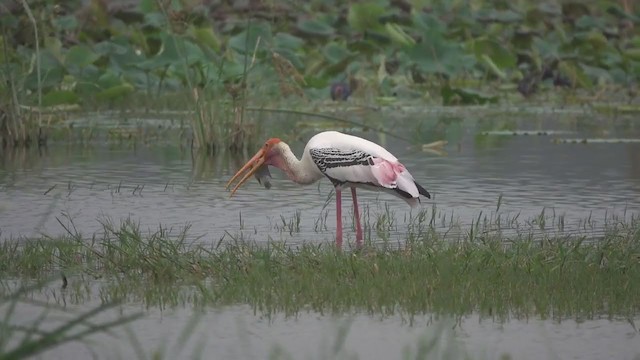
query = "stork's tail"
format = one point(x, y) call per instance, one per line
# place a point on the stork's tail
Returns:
point(422, 190)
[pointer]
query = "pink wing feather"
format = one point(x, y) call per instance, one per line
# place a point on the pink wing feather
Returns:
point(386, 172)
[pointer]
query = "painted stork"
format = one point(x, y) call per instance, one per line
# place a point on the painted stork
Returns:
point(346, 160)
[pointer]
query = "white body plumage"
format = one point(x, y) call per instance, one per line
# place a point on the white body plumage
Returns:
point(353, 161)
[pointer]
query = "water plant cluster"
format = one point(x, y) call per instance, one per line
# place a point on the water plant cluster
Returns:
point(98, 50)
point(497, 275)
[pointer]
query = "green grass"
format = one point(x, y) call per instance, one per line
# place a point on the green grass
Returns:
point(495, 275)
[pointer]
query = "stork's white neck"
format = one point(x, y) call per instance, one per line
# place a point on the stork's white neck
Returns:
point(302, 171)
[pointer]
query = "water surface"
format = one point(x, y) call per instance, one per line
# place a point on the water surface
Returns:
point(169, 185)
point(235, 332)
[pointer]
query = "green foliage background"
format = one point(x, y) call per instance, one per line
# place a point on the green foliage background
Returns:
point(98, 52)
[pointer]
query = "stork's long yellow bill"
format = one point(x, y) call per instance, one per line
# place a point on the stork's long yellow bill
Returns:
point(250, 168)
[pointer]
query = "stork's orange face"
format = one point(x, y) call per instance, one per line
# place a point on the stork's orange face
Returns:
point(259, 161)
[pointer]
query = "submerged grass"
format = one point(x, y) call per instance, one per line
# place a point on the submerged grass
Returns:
point(487, 272)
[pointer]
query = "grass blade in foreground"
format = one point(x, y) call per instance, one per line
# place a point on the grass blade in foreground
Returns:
point(35, 339)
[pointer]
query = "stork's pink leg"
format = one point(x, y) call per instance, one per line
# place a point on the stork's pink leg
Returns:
point(338, 217)
point(356, 214)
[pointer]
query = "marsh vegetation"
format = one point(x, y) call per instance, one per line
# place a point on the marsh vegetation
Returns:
point(121, 121)
point(217, 60)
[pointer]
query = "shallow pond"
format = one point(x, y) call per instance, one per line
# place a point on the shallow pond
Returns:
point(577, 185)
point(235, 332)
point(165, 184)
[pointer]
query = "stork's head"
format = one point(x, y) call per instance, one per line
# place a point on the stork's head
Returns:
point(258, 165)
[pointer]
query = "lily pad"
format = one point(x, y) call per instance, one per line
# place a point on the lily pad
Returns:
point(246, 41)
point(500, 56)
point(435, 54)
point(632, 54)
point(288, 41)
point(59, 97)
point(335, 52)
point(109, 79)
point(68, 22)
point(80, 56)
point(51, 73)
point(398, 35)
point(115, 92)
point(575, 74)
point(366, 16)
point(205, 36)
point(109, 48)
point(315, 27)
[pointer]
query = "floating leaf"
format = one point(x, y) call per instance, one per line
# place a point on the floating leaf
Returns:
point(363, 47)
point(485, 59)
point(109, 48)
point(599, 74)
point(80, 56)
point(589, 22)
point(633, 54)
point(291, 56)
point(232, 70)
point(155, 19)
point(139, 78)
point(435, 54)
point(597, 39)
point(500, 56)
point(575, 74)
point(440, 56)
point(335, 52)
point(316, 82)
point(51, 72)
point(147, 6)
point(68, 22)
point(288, 41)
point(429, 24)
point(398, 35)
point(108, 79)
point(574, 9)
point(550, 9)
point(54, 47)
point(115, 92)
point(245, 41)
point(549, 47)
point(315, 27)
point(126, 60)
point(287, 45)
point(503, 16)
point(9, 21)
point(59, 97)
point(206, 37)
point(366, 16)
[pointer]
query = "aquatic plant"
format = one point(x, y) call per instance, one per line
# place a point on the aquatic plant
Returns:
point(484, 269)
point(104, 52)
